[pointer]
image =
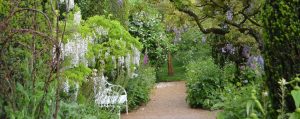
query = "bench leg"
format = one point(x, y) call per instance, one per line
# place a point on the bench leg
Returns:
point(126, 107)
point(119, 113)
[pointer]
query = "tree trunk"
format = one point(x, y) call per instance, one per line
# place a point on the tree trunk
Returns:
point(170, 65)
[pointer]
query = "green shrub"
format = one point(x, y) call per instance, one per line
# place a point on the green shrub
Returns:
point(185, 56)
point(244, 99)
point(229, 71)
point(242, 102)
point(139, 88)
point(85, 111)
point(251, 102)
point(204, 81)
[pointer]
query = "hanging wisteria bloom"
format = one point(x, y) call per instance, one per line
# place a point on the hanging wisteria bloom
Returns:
point(229, 15)
point(76, 50)
point(76, 90)
point(127, 62)
point(136, 56)
point(77, 17)
point(70, 4)
point(66, 86)
point(121, 61)
point(260, 61)
point(113, 58)
point(203, 39)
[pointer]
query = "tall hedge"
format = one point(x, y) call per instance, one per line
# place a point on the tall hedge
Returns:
point(282, 45)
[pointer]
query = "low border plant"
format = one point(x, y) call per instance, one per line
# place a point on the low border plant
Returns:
point(139, 87)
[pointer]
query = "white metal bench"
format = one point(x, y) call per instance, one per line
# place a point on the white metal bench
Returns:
point(109, 95)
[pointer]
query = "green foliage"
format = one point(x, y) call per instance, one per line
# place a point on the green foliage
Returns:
point(113, 28)
point(243, 103)
point(204, 78)
point(281, 45)
point(149, 29)
point(115, 9)
point(190, 39)
point(4, 9)
point(139, 88)
point(252, 102)
point(248, 101)
point(27, 85)
point(30, 82)
point(115, 33)
point(179, 72)
point(77, 74)
point(191, 47)
point(296, 96)
point(229, 72)
point(87, 111)
point(248, 76)
point(106, 39)
point(91, 8)
point(111, 37)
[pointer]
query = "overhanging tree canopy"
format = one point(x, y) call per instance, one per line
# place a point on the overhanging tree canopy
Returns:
point(221, 17)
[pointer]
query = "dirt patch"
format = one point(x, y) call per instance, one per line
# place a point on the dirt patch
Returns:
point(168, 102)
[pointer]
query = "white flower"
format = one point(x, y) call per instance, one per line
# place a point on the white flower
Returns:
point(282, 81)
point(265, 93)
point(134, 75)
point(66, 86)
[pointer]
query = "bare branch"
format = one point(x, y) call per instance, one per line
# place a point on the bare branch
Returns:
point(199, 23)
point(216, 4)
point(252, 21)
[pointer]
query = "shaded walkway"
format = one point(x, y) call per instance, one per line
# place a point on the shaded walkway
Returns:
point(168, 102)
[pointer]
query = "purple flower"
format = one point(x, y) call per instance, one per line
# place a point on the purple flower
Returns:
point(146, 59)
point(260, 61)
point(120, 2)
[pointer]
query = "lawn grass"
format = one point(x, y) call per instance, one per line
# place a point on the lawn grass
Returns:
point(179, 72)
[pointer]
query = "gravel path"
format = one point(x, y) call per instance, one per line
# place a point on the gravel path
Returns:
point(168, 102)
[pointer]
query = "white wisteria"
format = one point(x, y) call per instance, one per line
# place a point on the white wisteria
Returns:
point(77, 47)
point(76, 50)
point(136, 56)
point(128, 63)
point(70, 4)
point(77, 18)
